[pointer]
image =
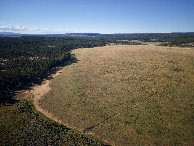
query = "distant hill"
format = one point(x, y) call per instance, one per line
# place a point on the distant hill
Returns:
point(83, 34)
point(10, 34)
point(182, 32)
point(115, 35)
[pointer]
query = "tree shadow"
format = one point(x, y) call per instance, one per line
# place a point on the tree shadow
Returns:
point(11, 102)
point(37, 81)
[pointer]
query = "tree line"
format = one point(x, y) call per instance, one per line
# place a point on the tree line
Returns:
point(167, 39)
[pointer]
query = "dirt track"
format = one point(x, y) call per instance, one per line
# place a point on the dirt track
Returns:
point(38, 92)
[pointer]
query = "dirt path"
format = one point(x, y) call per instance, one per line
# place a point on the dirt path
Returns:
point(38, 92)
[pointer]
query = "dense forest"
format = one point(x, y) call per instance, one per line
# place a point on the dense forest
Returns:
point(26, 58)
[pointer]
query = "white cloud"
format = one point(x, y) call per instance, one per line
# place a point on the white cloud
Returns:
point(31, 30)
point(21, 29)
point(5, 27)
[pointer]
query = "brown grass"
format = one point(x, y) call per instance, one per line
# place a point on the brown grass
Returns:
point(127, 94)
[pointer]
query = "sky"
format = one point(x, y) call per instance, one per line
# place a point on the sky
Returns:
point(96, 16)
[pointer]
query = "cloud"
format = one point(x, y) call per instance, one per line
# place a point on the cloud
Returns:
point(21, 29)
point(31, 30)
point(5, 27)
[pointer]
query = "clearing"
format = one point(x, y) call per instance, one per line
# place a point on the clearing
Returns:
point(127, 94)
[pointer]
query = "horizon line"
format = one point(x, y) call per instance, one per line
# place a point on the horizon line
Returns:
point(12, 33)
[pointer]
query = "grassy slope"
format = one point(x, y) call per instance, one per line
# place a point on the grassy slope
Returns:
point(128, 94)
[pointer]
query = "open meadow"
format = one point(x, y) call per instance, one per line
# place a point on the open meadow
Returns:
point(130, 94)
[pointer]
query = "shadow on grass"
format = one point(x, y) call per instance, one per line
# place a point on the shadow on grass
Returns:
point(177, 69)
point(10, 102)
point(92, 127)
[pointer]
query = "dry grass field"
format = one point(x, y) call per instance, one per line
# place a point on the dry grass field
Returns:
point(128, 95)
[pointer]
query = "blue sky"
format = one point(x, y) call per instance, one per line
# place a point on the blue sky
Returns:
point(100, 16)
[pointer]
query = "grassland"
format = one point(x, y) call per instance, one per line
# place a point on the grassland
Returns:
point(128, 95)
